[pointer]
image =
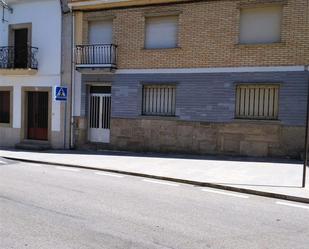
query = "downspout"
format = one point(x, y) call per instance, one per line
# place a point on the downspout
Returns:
point(307, 117)
point(61, 76)
point(72, 80)
point(306, 133)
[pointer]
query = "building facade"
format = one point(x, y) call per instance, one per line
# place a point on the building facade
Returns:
point(30, 69)
point(206, 77)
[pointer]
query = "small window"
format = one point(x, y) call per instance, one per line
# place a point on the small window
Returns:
point(5, 107)
point(260, 25)
point(161, 32)
point(159, 100)
point(257, 101)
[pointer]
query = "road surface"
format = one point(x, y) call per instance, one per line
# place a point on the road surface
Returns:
point(51, 207)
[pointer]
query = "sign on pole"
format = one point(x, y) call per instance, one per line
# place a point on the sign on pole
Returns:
point(61, 93)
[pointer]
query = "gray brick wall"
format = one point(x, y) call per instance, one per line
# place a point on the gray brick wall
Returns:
point(206, 97)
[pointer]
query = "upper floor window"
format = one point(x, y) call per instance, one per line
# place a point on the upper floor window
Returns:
point(5, 107)
point(257, 101)
point(100, 32)
point(159, 100)
point(161, 32)
point(260, 25)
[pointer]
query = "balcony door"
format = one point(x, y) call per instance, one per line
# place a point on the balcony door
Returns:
point(100, 37)
point(21, 48)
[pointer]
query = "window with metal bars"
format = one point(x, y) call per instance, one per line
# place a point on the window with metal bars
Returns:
point(5, 104)
point(257, 101)
point(159, 100)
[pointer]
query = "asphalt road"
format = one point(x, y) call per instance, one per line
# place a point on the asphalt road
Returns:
point(43, 206)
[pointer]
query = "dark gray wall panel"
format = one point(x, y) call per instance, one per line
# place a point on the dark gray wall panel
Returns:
point(207, 97)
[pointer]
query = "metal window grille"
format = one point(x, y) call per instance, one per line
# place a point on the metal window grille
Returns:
point(257, 101)
point(5, 107)
point(159, 100)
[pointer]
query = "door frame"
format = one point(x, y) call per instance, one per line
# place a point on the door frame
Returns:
point(24, 109)
point(13, 27)
point(88, 86)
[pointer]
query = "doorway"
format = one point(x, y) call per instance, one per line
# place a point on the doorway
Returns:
point(37, 115)
point(99, 114)
point(21, 48)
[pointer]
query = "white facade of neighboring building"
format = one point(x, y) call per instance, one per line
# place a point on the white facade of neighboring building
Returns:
point(42, 19)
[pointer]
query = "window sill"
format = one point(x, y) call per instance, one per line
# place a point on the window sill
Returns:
point(161, 49)
point(26, 71)
point(254, 45)
point(158, 117)
point(259, 121)
point(6, 125)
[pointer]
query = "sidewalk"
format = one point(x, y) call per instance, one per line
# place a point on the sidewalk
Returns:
point(274, 178)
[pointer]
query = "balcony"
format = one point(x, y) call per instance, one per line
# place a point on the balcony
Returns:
point(100, 56)
point(18, 60)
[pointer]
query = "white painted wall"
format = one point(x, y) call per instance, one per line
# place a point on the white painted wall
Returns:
point(45, 16)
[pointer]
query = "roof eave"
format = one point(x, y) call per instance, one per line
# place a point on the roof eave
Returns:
point(107, 4)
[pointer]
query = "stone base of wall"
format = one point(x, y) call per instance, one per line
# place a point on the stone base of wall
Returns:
point(80, 135)
point(9, 136)
point(237, 138)
point(57, 140)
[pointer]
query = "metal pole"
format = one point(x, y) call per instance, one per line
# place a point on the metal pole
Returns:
point(306, 136)
point(65, 125)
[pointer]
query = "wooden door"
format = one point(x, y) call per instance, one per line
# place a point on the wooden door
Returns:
point(37, 115)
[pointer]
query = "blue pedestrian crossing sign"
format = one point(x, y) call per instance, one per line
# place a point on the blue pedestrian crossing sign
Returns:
point(61, 93)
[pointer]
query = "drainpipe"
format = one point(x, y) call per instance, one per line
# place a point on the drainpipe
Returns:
point(307, 134)
point(72, 81)
point(307, 120)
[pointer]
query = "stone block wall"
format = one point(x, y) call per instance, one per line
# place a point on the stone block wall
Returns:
point(238, 138)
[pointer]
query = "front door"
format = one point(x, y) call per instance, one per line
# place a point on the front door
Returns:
point(21, 48)
point(99, 114)
point(37, 115)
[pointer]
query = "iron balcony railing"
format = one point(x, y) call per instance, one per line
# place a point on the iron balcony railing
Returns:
point(23, 57)
point(99, 55)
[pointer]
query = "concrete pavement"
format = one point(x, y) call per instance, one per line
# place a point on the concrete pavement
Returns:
point(280, 179)
point(48, 207)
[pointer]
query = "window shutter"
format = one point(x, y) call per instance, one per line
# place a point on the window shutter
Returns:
point(100, 32)
point(260, 25)
point(161, 32)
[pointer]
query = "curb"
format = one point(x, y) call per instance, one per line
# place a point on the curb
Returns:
point(178, 180)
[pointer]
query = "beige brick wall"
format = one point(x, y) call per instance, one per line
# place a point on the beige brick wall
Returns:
point(208, 36)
